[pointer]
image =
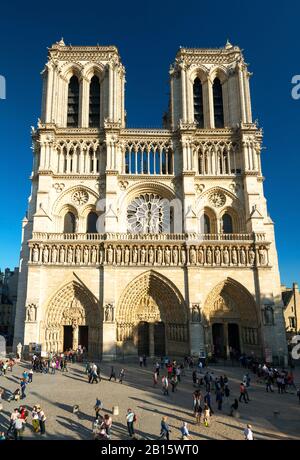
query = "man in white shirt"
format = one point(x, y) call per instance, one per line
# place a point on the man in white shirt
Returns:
point(248, 433)
point(18, 426)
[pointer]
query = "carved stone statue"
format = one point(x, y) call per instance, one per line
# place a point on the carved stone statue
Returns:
point(78, 255)
point(201, 255)
point(110, 255)
point(109, 313)
point(70, 255)
point(218, 256)
point(94, 255)
point(193, 256)
point(167, 256)
point(175, 256)
point(242, 256)
point(183, 256)
point(135, 255)
point(119, 255)
point(62, 254)
point(54, 255)
point(195, 314)
point(143, 255)
point(86, 255)
point(159, 256)
point(209, 256)
point(226, 256)
point(127, 256)
point(151, 256)
point(268, 315)
point(251, 257)
point(45, 255)
point(31, 313)
point(234, 256)
point(262, 256)
point(35, 254)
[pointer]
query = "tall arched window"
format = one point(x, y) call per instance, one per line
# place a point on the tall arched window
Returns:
point(206, 224)
point(91, 223)
point(218, 104)
point(69, 223)
point(73, 102)
point(198, 103)
point(227, 224)
point(94, 106)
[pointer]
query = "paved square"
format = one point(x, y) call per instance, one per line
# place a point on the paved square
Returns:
point(57, 394)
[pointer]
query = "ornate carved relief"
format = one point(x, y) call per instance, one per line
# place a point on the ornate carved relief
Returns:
point(217, 199)
point(80, 197)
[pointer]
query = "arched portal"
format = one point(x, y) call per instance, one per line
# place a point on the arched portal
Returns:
point(231, 321)
point(152, 318)
point(72, 318)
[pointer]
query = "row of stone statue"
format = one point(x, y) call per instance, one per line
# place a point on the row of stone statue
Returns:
point(249, 336)
point(175, 332)
point(151, 255)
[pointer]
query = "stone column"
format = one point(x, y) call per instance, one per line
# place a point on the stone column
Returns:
point(226, 344)
point(75, 337)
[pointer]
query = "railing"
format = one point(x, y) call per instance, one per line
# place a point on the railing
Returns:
point(43, 236)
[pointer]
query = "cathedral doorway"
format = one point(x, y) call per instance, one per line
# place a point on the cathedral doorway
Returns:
point(152, 318)
point(68, 338)
point(143, 339)
point(159, 339)
point(234, 339)
point(84, 337)
point(218, 339)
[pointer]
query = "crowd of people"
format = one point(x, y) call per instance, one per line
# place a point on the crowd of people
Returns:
point(210, 391)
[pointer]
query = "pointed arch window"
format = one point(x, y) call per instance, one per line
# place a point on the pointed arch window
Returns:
point(218, 104)
point(198, 103)
point(73, 102)
point(94, 103)
point(91, 223)
point(227, 223)
point(69, 223)
point(206, 224)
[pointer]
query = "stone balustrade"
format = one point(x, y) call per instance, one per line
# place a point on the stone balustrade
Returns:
point(244, 250)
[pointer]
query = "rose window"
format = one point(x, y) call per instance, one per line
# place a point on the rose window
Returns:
point(148, 213)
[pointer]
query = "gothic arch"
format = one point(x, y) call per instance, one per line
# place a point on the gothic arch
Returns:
point(153, 298)
point(71, 305)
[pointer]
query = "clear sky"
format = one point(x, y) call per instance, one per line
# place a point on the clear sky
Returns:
point(148, 34)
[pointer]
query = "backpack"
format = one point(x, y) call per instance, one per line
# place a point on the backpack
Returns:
point(134, 418)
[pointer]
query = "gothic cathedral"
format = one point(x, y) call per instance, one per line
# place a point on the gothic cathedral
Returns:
point(148, 241)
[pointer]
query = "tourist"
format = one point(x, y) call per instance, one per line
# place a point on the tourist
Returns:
point(248, 433)
point(164, 429)
point(23, 388)
point(242, 393)
point(174, 382)
point(219, 398)
point(157, 368)
point(155, 378)
point(206, 415)
point(269, 382)
point(13, 417)
point(165, 385)
point(98, 407)
point(141, 361)
point(131, 418)
point(198, 413)
point(30, 376)
point(184, 432)
point(207, 400)
point(234, 407)
point(42, 419)
point(35, 420)
point(18, 427)
point(2, 436)
point(145, 361)
point(112, 374)
point(122, 375)
point(106, 424)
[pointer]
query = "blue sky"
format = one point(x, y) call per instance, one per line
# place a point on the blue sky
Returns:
point(148, 35)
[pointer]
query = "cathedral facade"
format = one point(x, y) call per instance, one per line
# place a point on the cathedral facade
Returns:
point(148, 241)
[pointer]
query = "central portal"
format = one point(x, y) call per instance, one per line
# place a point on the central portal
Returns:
point(151, 339)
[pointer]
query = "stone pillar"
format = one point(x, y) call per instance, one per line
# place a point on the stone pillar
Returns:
point(109, 341)
point(75, 337)
point(226, 344)
point(85, 93)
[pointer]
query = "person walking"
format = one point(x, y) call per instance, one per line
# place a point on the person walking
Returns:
point(13, 417)
point(206, 415)
point(248, 433)
point(30, 376)
point(219, 398)
point(131, 418)
point(234, 407)
point(155, 379)
point(242, 393)
point(174, 382)
point(165, 385)
point(164, 429)
point(35, 420)
point(122, 375)
point(207, 400)
point(42, 419)
point(98, 407)
point(106, 424)
point(184, 431)
point(23, 388)
point(112, 374)
point(18, 427)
